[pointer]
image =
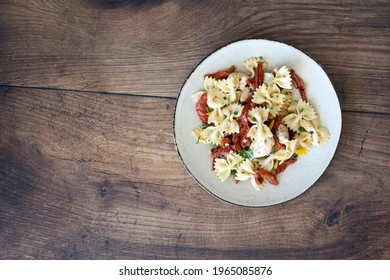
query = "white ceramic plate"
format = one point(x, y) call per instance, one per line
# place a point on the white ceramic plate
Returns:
point(297, 178)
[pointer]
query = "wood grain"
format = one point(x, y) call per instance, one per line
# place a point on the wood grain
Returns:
point(150, 47)
point(78, 182)
point(88, 167)
point(132, 137)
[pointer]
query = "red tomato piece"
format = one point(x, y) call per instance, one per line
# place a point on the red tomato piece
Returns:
point(284, 165)
point(279, 145)
point(258, 179)
point(222, 74)
point(220, 151)
point(201, 108)
point(244, 128)
point(299, 84)
point(268, 176)
point(278, 121)
point(226, 141)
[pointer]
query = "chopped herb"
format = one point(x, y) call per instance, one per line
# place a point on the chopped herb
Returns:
point(235, 113)
point(204, 125)
point(197, 141)
point(254, 119)
point(295, 155)
point(311, 132)
point(233, 173)
point(246, 153)
point(301, 129)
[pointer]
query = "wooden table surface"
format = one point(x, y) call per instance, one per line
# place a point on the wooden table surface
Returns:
point(88, 166)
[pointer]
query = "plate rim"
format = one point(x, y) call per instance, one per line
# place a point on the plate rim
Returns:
point(174, 122)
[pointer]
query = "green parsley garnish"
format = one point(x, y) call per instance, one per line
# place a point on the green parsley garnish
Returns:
point(301, 129)
point(246, 153)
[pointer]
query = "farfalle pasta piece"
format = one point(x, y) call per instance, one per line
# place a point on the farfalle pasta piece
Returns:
point(212, 134)
point(261, 95)
point(230, 126)
point(224, 166)
point(246, 171)
point(259, 131)
point(287, 99)
point(268, 163)
point(320, 135)
point(303, 112)
point(232, 113)
point(229, 87)
point(216, 116)
point(305, 140)
point(287, 153)
point(277, 101)
point(242, 80)
point(270, 96)
point(216, 98)
point(258, 115)
point(251, 64)
point(208, 83)
point(197, 132)
point(282, 77)
point(292, 106)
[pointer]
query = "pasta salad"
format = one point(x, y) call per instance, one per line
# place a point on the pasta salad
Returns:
point(258, 122)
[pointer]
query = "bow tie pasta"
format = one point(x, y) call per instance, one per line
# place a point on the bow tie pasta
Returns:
point(258, 121)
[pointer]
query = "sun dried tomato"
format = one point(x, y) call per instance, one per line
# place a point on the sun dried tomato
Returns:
point(220, 151)
point(299, 84)
point(226, 140)
point(222, 74)
point(278, 121)
point(258, 179)
point(268, 176)
point(284, 165)
point(244, 126)
point(201, 108)
point(259, 75)
point(279, 145)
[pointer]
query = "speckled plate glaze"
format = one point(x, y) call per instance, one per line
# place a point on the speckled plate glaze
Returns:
point(297, 178)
